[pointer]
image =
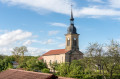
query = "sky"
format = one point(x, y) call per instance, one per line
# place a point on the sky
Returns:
point(41, 25)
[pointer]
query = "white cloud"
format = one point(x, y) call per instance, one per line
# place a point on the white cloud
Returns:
point(96, 11)
point(59, 24)
point(63, 6)
point(32, 51)
point(114, 3)
point(11, 39)
point(28, 42)
point(54, 32)
point(59, 6)
point(62, 45)
point(5, 51)
point(49, 41)
point(13, 36)
point(100, 1)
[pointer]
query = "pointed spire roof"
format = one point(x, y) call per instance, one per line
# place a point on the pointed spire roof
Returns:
point(71, 14)
point(71, 29)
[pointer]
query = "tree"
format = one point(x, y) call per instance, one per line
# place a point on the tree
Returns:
point(53, 66)
point(6, 63)
point(95, 54)
point(63, 69)
point(19, 51)
point(33, 65)
point(112, 58)
point(76, 68)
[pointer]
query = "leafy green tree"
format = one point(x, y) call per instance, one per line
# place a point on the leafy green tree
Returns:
point(95, 55)
point(6, 63)
point(10, 65)
point(53, 66)
point(18, 53)
point(63, 69)
point(2, 57)
point(33, 65)
point(76, 68)
point(112, 58)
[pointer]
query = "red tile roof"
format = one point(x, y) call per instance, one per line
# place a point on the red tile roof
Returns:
point(22, 74)
point(55, 52)
point(40, 58)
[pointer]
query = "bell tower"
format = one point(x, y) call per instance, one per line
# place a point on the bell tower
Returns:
point(72, 38)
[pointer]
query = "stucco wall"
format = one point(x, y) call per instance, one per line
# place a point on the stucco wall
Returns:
point(60, 58)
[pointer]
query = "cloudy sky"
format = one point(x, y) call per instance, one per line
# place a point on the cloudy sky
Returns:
point(41, 24)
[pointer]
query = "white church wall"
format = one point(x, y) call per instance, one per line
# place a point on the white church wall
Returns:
point(54, 58)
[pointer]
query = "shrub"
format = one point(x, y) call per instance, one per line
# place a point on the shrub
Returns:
point(45, 70)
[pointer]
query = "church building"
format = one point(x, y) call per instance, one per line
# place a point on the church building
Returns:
point(71, 51)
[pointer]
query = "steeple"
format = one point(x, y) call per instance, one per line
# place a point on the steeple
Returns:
point(72, 38)
point(71, 19)
point(72, 28)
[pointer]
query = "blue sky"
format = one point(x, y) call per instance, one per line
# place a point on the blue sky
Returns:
point(41, 24)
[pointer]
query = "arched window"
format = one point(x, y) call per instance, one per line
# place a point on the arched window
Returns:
point(68, 41)
point(56, 61)
point(74, 41)
point(62, 59)
point(50, 62)
point(45, 61)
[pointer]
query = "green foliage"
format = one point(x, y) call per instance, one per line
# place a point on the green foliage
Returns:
point(6, 63)
point(32, 64)
point(54, 66)
point(98, 63)
point(18, 53)
point(63, 69)
point(45, 70)
point(29, 63)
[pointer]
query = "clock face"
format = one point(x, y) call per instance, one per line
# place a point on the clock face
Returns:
point(74, 38)
point(68, 38)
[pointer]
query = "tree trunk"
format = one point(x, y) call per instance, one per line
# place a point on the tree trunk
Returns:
point(103, 73)
point(100, 69)
point(111, 74)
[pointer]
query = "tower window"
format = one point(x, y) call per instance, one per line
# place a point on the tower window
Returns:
point(74, 41)
point(68, 42)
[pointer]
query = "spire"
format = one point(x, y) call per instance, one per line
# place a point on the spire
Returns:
point(71, 28)
point(71, 14)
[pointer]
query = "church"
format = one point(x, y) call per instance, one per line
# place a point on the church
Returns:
point(71, 51)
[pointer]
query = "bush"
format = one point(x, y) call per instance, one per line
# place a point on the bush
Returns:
point(45, 70)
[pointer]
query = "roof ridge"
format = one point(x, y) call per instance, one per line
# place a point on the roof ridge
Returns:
point(57, 49)
point(56, 52)
point(30, 71)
